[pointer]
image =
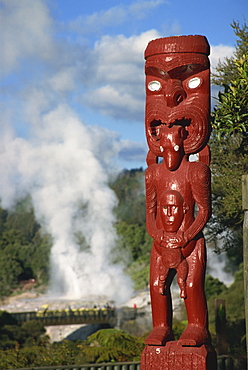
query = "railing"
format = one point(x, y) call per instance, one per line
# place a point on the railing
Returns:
point(105, 366)
point(78, 316)
point(68, 317)
point(224, 363)
point(231, 363)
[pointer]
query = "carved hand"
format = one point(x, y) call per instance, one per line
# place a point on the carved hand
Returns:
point(177, 240)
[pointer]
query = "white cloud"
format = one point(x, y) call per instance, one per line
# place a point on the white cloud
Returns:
point(26, 28)
point(131, 152)
point(118, 82)
point(115, 103)
point(140, 9)
point(120, 49)
point(114, 16)
point(218, 53)
point(64, 79)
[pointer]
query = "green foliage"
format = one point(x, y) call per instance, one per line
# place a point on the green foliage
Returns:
point(229, 146)
point(12, 335)
point(233, 295)
point(236, 337)
point(26, 345)
point(12, 359)
point(134, 243)
point(106, 345)
point(6, 319)
point(231, 112)
point(130, 191)
point(34, 329)
point(133, 238)
point(113, 345)
point(56, 354)
point(24, 250)
point(178, 328)
point(235, 312)
point(27, 334)
point(139, 272)
point(213, 287)
point(227, 71)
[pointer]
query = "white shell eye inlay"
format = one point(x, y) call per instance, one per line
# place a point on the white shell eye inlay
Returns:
point(161, 149)
point(176, 148)
point(154, 86)
point(194, 82)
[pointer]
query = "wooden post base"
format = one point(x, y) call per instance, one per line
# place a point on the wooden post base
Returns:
point(173, 356)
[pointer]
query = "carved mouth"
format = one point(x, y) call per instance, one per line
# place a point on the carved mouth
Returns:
point(194, 119)
point(155, 125)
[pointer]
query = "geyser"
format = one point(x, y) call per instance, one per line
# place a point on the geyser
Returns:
point(64, 167)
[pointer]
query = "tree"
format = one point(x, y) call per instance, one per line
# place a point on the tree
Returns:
point(35, 330)
point(24, 248)
point(235, 312)
point(130, 190)
point(134, 244)
point(226, 71)
point(113, 345)
point(12, 334)
point(229, 145)
point(213, 287)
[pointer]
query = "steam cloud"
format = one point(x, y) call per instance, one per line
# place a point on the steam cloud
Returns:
point(60, 167)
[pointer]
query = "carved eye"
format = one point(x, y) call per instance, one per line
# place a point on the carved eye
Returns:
point(154, 86)
point(194, 82)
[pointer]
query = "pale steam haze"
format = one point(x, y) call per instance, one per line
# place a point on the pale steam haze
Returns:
point(72, 116)
point(67, 181)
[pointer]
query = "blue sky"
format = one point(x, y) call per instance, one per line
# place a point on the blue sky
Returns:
point(211, 18)
point(87, 56)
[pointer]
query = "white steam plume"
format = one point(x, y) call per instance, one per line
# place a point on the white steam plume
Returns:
point(60, 167)
point(48, 152)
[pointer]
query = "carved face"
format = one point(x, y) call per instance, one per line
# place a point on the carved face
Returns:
point(172, 210)
point(177, 94)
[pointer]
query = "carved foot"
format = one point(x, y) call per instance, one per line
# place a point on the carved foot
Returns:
point(183, 293)
point(159, 336)
point(194, 335)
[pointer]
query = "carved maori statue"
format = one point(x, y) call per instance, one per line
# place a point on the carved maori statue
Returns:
point(178, 194)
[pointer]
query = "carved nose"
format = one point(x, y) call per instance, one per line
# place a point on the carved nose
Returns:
point(169, 213)
point(174, 93)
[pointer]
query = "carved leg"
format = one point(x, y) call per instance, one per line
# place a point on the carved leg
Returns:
point(161, 284)
point(196, 333)
point(182, 273)
point(163, 274)
point(161, 305)
point(182, 286)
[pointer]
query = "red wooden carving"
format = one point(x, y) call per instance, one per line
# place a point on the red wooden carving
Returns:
point(177, 125)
